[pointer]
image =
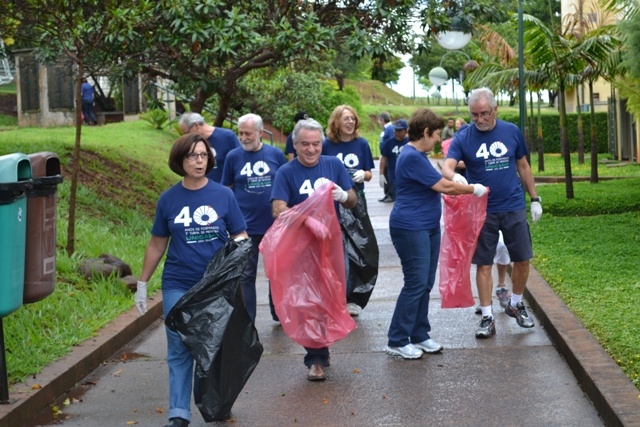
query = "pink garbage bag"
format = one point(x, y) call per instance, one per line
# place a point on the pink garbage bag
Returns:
point(464, 217)
point(304, 260)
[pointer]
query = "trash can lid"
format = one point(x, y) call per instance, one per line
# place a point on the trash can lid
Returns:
point(14, 167)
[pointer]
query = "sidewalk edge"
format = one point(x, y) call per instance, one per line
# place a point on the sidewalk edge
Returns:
point(613, 395)
point(58, 377)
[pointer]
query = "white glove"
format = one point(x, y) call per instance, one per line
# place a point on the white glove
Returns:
point(383, 180)
point(479, 190)
point(141, 297)
point(339, 194)
point(358, 176)
point(459, 178)
point(536, 210)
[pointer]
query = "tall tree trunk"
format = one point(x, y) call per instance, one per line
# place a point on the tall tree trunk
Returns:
point(197, 103)
point(594, 140)
point(540, 139)
point(565, 143)
point(532, 127)
point(75, 166)
point(224, 104)
point(580, 128)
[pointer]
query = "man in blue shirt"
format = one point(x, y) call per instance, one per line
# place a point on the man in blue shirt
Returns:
point(249, 171)
point(389, 152)
point(87, 103)
point(294, 183)
point(221, 140)
point(494, 153)
point(387, 132)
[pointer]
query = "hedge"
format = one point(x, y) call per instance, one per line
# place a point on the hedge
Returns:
point(551, 131)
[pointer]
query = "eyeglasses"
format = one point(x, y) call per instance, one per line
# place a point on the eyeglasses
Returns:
point(483, 115)
point(349, 119)
point(194, 156)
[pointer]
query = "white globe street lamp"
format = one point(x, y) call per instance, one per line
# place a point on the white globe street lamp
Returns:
point(438, 76)
point(453, 40)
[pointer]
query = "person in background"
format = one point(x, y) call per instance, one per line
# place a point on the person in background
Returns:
point(460, 124)
point(389, 154)
point(414, 225)
point(194, 219)
point(220, 139)
point(344, 142)
point(289, 151)
point(449, 130)
point(249, 171)
point(494, 154)
point(387, 132)
point(294, 183)
point(87, 103)
point(502, 263)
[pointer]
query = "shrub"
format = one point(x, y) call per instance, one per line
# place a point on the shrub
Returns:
point(156, 117)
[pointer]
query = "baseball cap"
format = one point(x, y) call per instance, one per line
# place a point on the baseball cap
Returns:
point(400, 124)
point(300, 116)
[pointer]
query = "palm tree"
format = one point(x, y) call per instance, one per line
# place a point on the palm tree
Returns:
point(562, 58)
point(499, 72)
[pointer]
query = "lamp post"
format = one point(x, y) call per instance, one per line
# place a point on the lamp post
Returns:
point(521, 94)
point(438, 75)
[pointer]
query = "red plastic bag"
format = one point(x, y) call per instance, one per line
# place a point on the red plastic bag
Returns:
point(464, 217)
point(304, 260)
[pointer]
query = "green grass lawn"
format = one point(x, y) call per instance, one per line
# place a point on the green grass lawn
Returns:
point(586, 248)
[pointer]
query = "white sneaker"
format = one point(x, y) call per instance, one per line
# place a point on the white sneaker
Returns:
point(353, 309)
point(409, 351)
point(429, 346)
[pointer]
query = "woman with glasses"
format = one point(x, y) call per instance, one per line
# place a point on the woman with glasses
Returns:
point(344, 142)
point(194, 219)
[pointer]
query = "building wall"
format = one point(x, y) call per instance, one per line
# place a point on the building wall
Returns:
point(627, 136)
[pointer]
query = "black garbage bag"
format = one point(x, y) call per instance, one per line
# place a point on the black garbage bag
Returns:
point(213, 323)
point(362, 249)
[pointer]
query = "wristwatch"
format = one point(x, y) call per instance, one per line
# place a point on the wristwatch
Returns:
point(535, 199)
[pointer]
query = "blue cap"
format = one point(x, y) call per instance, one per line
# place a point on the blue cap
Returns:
point(400, 124)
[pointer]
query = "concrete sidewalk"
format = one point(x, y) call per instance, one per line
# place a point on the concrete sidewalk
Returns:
point(555, 374)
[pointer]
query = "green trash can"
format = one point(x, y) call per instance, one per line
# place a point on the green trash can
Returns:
point(40, 259)
point(15, 180)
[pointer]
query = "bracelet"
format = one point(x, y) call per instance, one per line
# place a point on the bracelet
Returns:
point(535, 199)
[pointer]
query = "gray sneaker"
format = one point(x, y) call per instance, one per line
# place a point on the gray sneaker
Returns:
point(520, 314)
point(486, 328)
point(503, 297)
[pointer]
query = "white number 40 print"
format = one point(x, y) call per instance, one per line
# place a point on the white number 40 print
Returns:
point(204, 215)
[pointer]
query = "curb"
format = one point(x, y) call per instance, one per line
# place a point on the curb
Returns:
point(612, 394)
point(60, 376)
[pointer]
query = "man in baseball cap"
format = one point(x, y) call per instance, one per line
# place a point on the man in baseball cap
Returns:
point(388, 156)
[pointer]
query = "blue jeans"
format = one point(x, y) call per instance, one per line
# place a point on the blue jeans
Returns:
point(321, 355)
point(180, 364)
point(419, 252)
point(248, 280)
point(87, 110)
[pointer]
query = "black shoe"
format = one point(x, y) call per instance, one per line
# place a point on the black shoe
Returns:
point(177, 422)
